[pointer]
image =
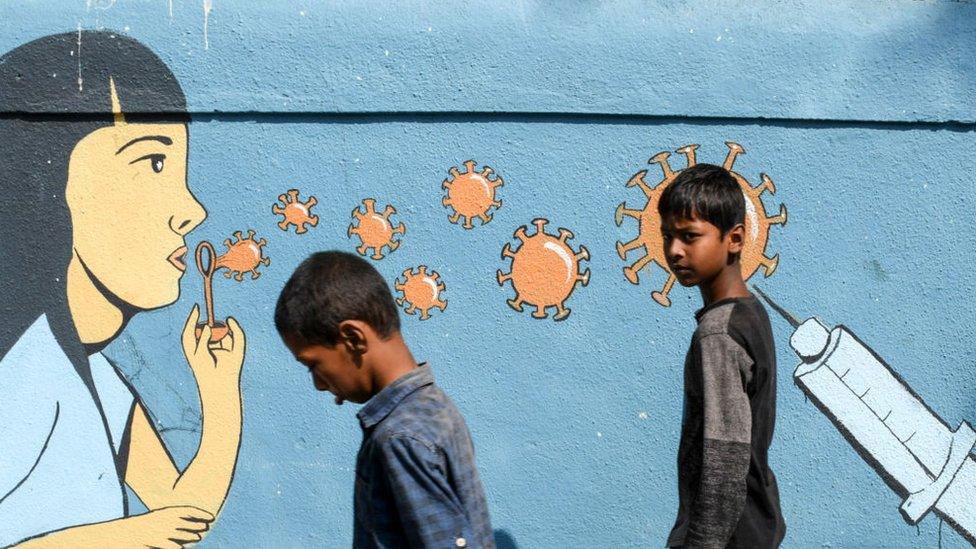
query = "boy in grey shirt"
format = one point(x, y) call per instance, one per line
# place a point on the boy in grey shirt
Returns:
point(727, 493)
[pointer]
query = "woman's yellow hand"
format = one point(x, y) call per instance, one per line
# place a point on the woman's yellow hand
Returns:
point(219, 361)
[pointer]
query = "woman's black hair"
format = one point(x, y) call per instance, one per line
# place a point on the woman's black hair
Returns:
point(707, 192)
point(329, 287)
point(53, 92)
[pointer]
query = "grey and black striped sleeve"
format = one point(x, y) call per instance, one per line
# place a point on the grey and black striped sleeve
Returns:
point(726, 371)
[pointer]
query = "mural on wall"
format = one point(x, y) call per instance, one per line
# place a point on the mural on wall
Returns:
point(471, 193)
point(111, 179)
point(294, 212)
point(545, 270)
point(649, 223)
point(420, 291)
point(913, 449)
point(375, 230)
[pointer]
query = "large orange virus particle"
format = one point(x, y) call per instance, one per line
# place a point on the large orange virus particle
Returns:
point(545, 270)
point(649, 222)
point(471, 193)
point(421, 291)
point(243, 256)
point(295, 212)
point(375, 229)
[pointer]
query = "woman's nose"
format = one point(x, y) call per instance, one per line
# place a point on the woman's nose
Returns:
point(191, 214)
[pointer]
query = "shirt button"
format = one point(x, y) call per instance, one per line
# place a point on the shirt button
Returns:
point(461, 542)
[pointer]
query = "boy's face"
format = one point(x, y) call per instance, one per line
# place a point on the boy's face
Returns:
point(334, 369)
point(696, 250)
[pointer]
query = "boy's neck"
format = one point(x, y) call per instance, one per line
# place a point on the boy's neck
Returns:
point(391, 362)
point(727, 284)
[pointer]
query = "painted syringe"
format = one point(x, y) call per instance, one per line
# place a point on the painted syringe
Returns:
point(910, 446)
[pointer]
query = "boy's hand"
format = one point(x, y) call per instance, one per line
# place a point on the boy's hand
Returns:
point(220, 363)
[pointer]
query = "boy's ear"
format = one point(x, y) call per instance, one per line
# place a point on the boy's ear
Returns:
point(737, 238)
point(352, 336)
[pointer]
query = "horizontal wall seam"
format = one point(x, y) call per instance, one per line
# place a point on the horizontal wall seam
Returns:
point(435, 117)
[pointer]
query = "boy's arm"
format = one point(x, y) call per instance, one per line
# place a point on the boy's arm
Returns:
point(430, 511)
point(727, 442)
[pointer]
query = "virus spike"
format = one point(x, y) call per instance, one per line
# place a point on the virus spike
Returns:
point(486, 172)
point(565, 234)
point(584, 277)
point(349, 231)
point(239, 277)
point(521, 234)
point(261, 243)
point(283, 225)
point(507, 251)
point(502, 277)
point(638, 180)
point(469, 165)
point(562, 312)
point(618, 215)
point(370, 205)
point(411, 310)
point(254, 275)
point(228, 243)
point(623, 249)
point(540, 312)
point(400, 301)
point(441, 304)
point(779, 219)
point(400, 229)
point(540, 225)
point(467, 223)
point(424, 315)
point(362, 249)
point(662, 159)
point(583, 253)
point(515, 304)
point(766, 184)
point(238, 235)
point(454, 217)
point(662, 296)
point(498, 182)
point(689, 152)
point(735, 150)
point(454, 173)
point(250, 235)
point(485, 218)
point(769, 264)
point(422, 269)
point(390, 210)
point(497, 203)
point(631, 270)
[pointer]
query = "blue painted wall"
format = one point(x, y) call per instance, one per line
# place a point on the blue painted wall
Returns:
point(862, 115)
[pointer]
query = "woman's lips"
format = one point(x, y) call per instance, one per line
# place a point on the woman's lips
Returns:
point(176, 258)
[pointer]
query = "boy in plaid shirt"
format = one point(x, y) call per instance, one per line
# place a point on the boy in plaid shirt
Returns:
point(416, 480)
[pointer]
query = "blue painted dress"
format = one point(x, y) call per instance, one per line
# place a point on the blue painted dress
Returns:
point(62, 442)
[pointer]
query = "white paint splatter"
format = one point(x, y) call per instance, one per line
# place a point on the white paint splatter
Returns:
point(207, 8)
point(642, 415)
point(170, 9)
point(81, 81)
point(302, 13)
point(386, 53)
point(599, 434)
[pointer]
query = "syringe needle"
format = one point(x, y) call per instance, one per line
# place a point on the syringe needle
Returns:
point(783, 312)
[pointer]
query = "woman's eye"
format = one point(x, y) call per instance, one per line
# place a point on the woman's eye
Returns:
point(155, 160)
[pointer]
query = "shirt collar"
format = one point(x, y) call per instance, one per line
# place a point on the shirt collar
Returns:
point(390, 397)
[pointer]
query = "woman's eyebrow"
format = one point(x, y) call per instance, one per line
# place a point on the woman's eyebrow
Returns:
point(161, 138)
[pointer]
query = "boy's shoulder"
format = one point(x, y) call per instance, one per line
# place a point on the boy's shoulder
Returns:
point(427, 415)
point(735, 317)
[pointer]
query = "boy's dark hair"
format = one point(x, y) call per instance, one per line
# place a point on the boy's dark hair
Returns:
point(708, 192)
point(330, 287)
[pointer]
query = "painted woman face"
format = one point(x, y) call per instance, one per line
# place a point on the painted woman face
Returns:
point(131, 209)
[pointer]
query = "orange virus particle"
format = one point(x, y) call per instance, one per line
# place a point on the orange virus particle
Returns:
point(243, 256)
point(649, 222)
point(375, 229)
point(545, 270)
point(421, 291)
point(295, 212)
point(471, 193)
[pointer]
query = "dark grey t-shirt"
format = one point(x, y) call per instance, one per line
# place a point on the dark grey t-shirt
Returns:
point(727, 493)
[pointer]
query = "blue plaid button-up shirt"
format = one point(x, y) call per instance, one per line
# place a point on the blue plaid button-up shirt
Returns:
point(416, 481)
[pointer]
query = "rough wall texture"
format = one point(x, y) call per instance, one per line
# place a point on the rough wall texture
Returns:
point(862, 116)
